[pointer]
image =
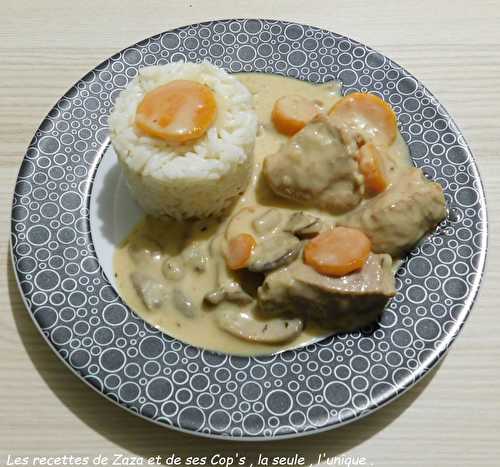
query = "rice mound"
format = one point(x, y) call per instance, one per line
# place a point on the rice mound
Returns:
point(190, 180)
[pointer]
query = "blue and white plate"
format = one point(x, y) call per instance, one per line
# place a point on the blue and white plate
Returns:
point(64, 227)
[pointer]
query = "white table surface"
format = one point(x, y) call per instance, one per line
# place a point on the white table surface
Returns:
point(452, 418)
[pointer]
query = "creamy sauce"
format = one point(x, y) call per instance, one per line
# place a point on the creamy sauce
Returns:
point(194, 241)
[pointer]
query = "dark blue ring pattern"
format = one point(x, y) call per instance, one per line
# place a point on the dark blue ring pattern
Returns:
point(149, 373)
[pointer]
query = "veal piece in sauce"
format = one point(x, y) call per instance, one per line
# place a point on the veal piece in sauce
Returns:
point(241, 284)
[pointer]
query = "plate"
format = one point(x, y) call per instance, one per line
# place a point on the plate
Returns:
point(57, 233)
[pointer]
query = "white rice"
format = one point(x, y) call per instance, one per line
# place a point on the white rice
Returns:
point(191, 180)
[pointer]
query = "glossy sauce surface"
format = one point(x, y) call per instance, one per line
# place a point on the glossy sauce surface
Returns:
point(196, 243)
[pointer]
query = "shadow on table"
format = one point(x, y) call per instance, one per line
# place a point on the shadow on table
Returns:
point(146, 439)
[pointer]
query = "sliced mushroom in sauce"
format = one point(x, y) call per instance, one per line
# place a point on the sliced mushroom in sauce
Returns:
point(183, 303)
point(195, 257)
point(173, 269)
point(245, 325)
point(303, 225)
point(267, 222)
point(144, 251)
point(231, 292)
point(274, 251)
point(152, 292)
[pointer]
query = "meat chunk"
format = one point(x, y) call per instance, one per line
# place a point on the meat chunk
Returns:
point(399, 217)
point(344, 303)
point(315, 168)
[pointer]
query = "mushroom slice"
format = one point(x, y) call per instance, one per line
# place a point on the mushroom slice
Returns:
point(231, 292)
point(144, 251)
point(183, 303)
point(274, 251)
point(214, 297)
point(303, 225)
point(246, 326)
point(151, 292)
point(195, 257)
point(267, 222)
point(173, 269)
point(241, 222)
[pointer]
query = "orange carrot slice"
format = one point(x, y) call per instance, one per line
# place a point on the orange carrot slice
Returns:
point(239, 251)
point(338, 251)
point(372, 167)
point(367, 113)
point(176, 112)
point(292, 113)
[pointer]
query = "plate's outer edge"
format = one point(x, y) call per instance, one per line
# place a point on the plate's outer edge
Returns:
point(298, 392)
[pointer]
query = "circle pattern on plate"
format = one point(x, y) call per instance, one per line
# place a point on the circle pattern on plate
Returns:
point(322, 385)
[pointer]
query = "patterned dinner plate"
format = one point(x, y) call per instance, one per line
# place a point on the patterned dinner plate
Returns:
point(59, 244)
